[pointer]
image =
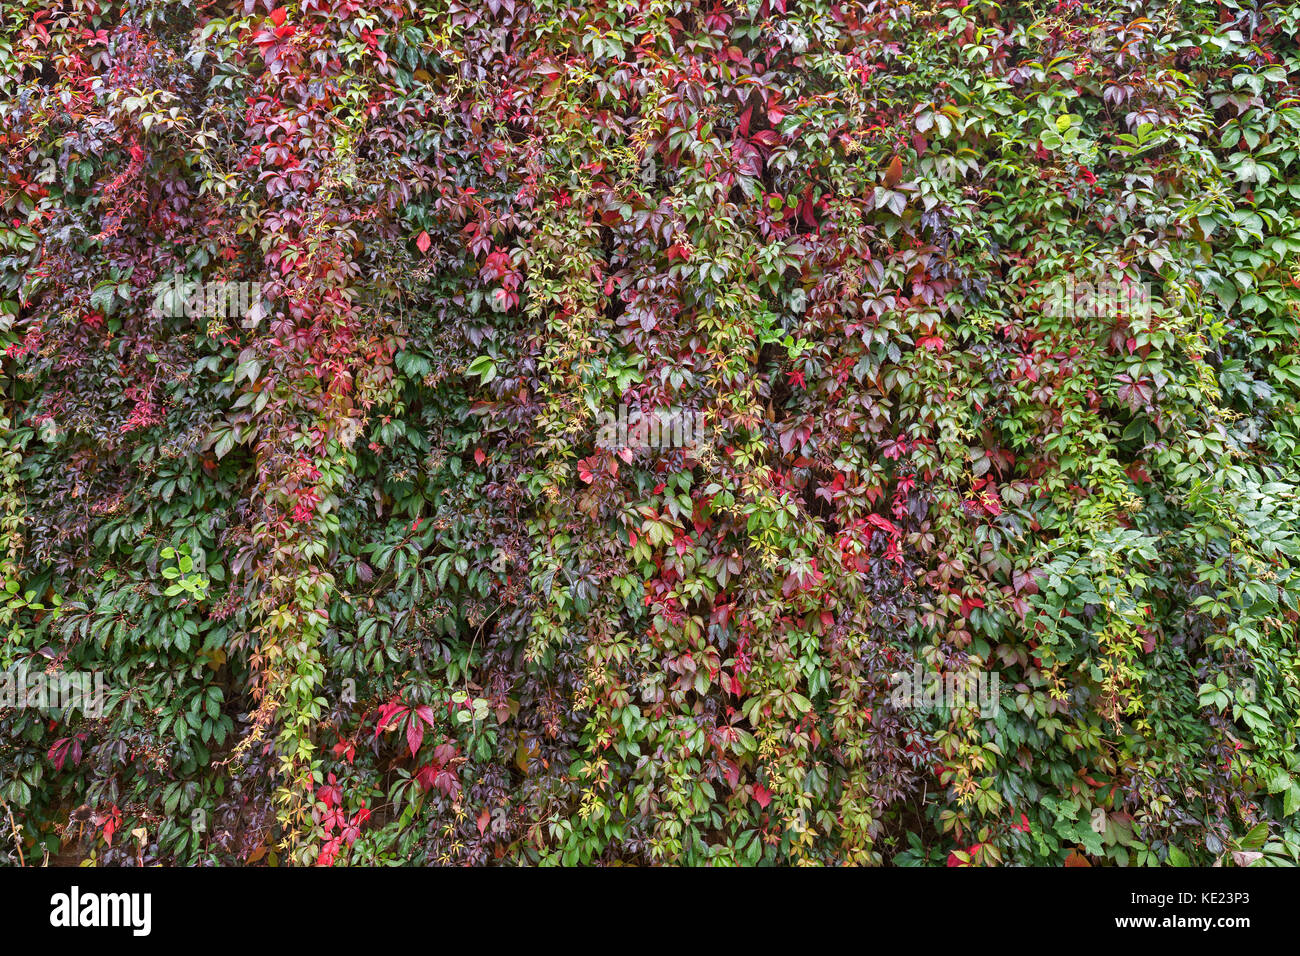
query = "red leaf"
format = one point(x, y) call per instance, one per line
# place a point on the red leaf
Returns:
point(388, 715)
point(110, 822)
point(345, 749)
point(414, 735)
point(59, 752)
point(1138, 473)
point(733, 773)
point(422, 241)
point(448, 783)
point(884, 524)
point(278, 15)
point(762, 795)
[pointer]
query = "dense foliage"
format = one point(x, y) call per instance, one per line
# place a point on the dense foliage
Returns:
point(361, 583)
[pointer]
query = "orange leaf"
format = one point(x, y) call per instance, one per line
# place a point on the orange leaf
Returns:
point(894, 173)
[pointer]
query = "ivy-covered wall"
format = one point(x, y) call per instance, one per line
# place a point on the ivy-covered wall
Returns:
point(773, 431)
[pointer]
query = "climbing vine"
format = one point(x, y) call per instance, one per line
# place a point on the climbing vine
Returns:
point(969, 536)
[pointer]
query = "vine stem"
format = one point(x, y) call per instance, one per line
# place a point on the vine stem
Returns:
point(13, 827)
